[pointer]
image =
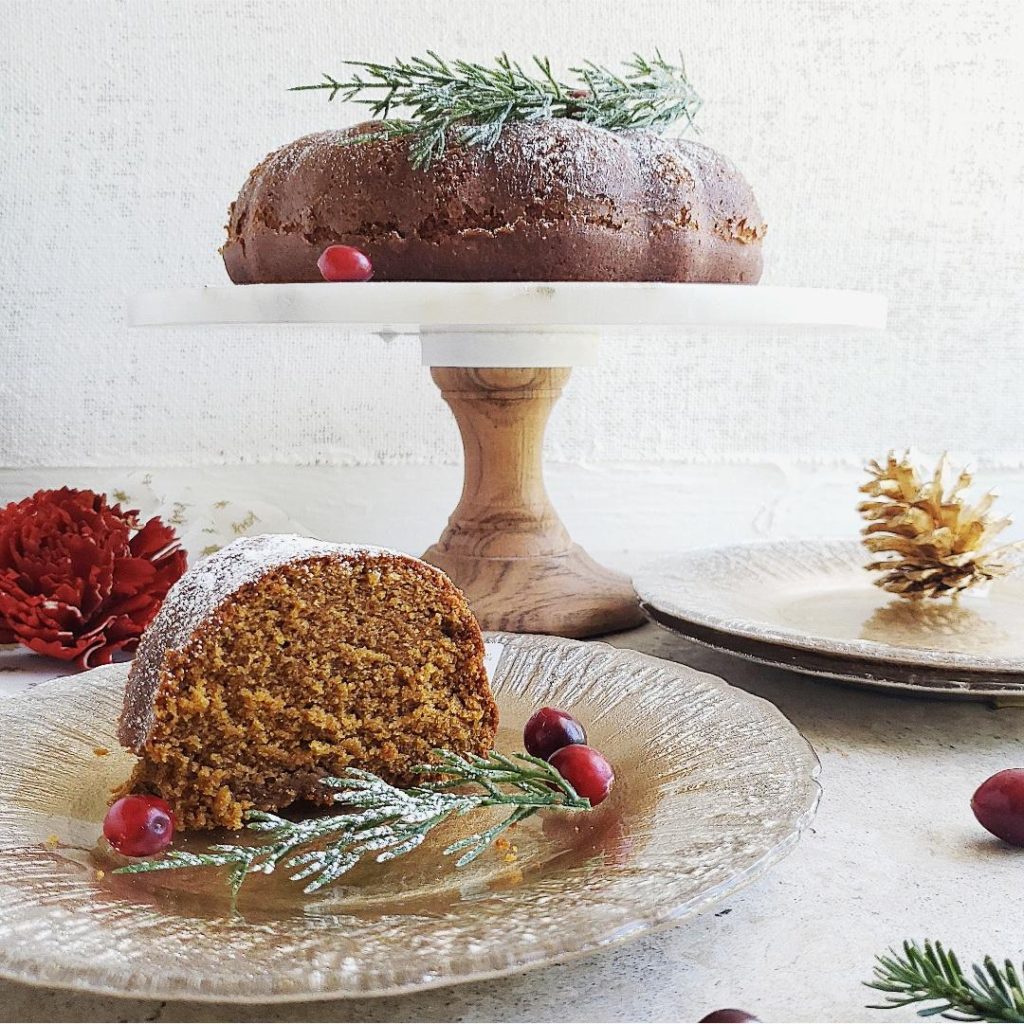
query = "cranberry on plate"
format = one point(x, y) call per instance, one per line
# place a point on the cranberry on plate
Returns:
point(998, 803)
point(586, 770)
point(138, 826)
point(550, 729)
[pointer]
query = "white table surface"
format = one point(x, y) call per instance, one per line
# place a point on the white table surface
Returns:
point(894, 853)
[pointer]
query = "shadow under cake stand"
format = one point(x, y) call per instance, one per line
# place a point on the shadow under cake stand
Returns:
point(501, 353)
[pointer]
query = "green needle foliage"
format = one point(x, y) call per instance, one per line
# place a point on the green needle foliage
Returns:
point(932, 974)
point(470, 103)
point(385, 821)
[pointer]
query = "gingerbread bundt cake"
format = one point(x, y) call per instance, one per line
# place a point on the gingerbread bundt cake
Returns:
point(554, 200)
point(280, 660)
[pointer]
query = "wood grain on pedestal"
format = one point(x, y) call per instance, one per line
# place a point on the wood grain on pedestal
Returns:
point(505, 545)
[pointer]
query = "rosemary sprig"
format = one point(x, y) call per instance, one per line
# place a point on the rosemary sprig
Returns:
point(471, 102)
point(932, 974)
point(386, 821)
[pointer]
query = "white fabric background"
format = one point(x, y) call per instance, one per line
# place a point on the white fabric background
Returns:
point(884, 139)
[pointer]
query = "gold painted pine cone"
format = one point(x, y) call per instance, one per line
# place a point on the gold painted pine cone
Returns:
point(936, 542)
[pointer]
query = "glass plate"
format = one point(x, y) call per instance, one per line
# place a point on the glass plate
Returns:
point(713, 786)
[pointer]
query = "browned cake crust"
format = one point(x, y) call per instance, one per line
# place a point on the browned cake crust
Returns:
point(279, 661)
point(555, 200)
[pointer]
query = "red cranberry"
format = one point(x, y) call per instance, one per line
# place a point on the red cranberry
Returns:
point(138, 826)
point(727, 1016)
point(549, 730)
point(344, 263)
point(999, 805)
point(586, 770)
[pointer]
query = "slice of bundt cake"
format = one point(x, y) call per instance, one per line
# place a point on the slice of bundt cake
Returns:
point(280, 660)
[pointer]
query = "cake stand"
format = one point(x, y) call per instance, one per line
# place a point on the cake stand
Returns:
point(501, 353)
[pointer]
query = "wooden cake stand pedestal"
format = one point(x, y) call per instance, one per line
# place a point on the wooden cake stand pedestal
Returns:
point(501, 354)
point(505, 545)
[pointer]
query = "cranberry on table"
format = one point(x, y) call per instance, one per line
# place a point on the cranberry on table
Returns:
point(344, 263)
point(586, 770)
point(727, 1016)
point(550, 729)
point(998, 804)
point(138, 826)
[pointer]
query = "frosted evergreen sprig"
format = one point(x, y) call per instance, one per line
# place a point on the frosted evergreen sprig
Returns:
point(385, 821)
point(470, 103)
point(932, 974)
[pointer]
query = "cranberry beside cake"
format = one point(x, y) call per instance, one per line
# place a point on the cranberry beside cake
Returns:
point(280, 660)
point(556, 199)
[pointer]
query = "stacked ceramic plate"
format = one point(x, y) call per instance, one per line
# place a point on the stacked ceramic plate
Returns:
point(812, 607)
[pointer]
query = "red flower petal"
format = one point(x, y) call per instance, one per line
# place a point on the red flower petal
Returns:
point(79, 580)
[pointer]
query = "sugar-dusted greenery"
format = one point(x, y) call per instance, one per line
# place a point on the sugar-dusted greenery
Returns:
point(469, 103)
point(384, 821)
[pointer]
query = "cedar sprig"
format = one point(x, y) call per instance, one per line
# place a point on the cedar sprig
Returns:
point(932, 974)
point(470, 103)
point(385, 821)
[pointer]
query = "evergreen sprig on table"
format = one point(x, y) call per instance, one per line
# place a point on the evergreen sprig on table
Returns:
point(386, 821)
point(932, 974)
point(470, 103)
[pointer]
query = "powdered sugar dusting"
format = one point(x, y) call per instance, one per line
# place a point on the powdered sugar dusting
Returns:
point(563, 157)
point(196, 596)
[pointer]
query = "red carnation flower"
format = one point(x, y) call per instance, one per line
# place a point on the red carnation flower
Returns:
point(79, 579)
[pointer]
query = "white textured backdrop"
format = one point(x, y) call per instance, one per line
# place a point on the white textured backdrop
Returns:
point(884, 139)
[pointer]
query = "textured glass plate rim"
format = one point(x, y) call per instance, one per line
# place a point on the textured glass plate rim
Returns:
point(930, 683)
point(26, 969)
point(709, 582)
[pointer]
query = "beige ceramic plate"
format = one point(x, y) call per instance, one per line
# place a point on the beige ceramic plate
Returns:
point(812, 607)
point(999, 689)
point(713, 786)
